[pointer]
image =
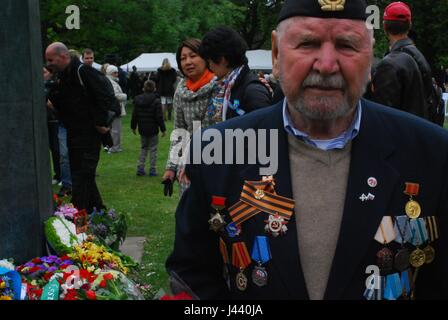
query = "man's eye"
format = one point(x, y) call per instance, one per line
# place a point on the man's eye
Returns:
point(346, 46)
point(307, 44)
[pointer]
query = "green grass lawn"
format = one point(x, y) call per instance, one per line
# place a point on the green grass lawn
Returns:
point(150, 213)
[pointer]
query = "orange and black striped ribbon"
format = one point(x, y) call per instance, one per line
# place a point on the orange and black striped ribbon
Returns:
point(240, 256)
point(271, 203)
point(432, 227)
point(223, 249)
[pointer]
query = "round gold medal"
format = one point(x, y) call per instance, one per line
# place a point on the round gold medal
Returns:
point(430, 254)
point(417, 258)
point(413, 209)
point(241, 281)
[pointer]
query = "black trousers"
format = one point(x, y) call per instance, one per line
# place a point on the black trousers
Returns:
point(53, 128)
point(84, 154)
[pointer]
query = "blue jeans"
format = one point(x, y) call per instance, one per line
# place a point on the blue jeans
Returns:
point(66, 177)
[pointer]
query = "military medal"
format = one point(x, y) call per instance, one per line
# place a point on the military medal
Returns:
point(403, 231)
point(417, 258)
point(384, 259)
point(217, 222)
point(241, 281)
point(412, 208)
point(385, 235)
point(275, 225)
point(430, 254)
point(401, 260)
point(241, 260)
point(261, 253)
point(432, 232)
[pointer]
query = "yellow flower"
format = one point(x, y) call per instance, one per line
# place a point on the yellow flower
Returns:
point(2, 285)
point(5, 298)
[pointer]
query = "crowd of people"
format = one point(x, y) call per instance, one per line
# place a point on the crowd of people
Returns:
point(305, 219)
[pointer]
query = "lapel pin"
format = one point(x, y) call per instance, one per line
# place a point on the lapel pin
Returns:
point(368, 197)
point(372, 182)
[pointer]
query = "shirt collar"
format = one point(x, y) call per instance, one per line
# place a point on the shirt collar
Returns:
point(337, 143)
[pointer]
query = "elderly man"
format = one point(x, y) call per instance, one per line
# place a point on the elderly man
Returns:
point(357, 208)
point(82, 100)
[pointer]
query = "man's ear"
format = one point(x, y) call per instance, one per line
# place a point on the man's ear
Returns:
point(275, 67)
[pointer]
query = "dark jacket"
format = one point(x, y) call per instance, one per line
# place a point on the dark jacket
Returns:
point(398, 83)
point(165, 82)
point(251, 93)
point(81, 108)
point(386, 148)
point(147, 115)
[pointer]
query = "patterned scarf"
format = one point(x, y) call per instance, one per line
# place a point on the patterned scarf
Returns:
point(217, 110)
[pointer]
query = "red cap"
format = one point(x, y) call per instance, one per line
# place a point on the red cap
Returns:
point(398, 11)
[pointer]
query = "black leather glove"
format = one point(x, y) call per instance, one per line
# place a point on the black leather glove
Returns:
point(106, 140)
point(168, 189)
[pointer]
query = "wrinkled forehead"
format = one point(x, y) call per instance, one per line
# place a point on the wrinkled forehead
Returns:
point(324, 28)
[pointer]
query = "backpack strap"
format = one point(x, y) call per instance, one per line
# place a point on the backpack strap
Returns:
point(426, 78)
point(79, 74)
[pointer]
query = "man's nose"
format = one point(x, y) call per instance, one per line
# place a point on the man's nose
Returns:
point(327, 60)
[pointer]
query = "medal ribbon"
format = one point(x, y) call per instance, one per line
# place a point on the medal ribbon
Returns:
point(261, 252)
point(402, 230)
point(268, 202)
point(412, 189)
point(419, 233)
point(393, 290)
point(405, 282)
point(223, 249)
point(386, 233)
point(371, 293)
point(432, 228)
point(240, 256)
point(218, 202)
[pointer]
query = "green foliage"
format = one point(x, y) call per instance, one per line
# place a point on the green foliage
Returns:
point(108, 228)
point(429, 24)
point(131, 27)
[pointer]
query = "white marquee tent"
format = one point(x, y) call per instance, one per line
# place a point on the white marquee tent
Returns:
point(146, 62)
point(260, 59)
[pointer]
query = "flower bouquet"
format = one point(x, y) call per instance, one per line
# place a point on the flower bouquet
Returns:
point(38, 273)
point(67, 211)
point(10, 283)
point(61, 235)
point(108, 228)
point(90, 254)
point(114, 285)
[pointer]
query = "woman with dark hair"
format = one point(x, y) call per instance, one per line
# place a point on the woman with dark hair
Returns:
point(238, 91)
point(191, 100)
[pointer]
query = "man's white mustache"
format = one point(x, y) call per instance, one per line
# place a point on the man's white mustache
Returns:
point(332, 82)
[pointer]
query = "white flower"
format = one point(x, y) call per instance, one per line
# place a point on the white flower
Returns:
point(66, 231)
point(7, 265)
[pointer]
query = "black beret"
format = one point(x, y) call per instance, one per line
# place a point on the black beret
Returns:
point(340, 9)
